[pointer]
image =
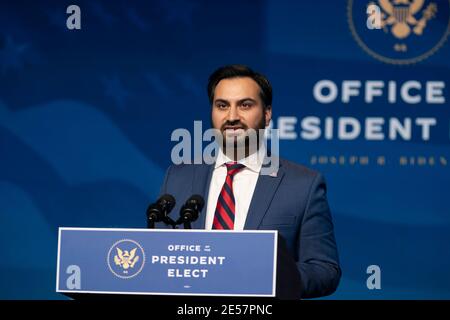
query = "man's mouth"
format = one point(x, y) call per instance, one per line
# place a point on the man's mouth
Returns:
point(233, 130)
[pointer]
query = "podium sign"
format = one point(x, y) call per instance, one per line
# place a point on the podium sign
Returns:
point(166, 262)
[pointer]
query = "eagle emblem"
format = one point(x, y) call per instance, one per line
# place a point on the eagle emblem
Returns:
point(400, 15)
point(399, 32)
point(126, 259)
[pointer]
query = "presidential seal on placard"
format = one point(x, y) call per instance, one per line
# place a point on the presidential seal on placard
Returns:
point(404, 32)
point(126, 258)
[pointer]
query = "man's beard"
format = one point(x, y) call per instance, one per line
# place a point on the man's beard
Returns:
point(237, 147)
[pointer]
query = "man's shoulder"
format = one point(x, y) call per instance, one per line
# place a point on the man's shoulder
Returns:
point(297, 170)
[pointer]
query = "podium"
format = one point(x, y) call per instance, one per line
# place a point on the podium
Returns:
point(98, 262)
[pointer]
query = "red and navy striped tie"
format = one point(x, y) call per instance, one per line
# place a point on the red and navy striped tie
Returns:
point(225, 209)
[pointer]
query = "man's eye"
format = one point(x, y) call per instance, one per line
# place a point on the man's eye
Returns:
point(246, 105)
point(221, 106)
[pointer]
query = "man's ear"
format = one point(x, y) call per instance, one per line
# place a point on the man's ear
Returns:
point(268, 114)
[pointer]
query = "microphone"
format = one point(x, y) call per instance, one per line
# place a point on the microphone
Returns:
point(159, 210)
point(190, 210)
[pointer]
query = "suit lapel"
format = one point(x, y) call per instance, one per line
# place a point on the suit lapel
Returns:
point(200, 185)
point(265, 189)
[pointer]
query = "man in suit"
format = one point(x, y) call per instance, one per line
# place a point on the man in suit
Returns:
point(289, 198)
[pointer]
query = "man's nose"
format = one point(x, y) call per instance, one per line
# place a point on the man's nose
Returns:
point(233, 114)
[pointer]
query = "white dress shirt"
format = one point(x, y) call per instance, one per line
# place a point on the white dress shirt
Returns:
point(244, 183)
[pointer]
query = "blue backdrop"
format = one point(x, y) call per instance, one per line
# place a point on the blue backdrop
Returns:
point(86, 118)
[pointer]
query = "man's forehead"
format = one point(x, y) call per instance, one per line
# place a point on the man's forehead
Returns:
point(237, 88)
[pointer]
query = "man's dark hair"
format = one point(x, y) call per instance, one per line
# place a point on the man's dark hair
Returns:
point(240, 71)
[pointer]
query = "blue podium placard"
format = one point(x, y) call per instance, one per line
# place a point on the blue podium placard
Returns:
point(166, 262)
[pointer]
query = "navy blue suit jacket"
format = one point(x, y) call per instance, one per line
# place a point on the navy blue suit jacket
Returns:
point(294, 203)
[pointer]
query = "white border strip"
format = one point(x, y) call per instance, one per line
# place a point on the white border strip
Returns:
point(275, 255)
point(166, 230)
point(57, 259)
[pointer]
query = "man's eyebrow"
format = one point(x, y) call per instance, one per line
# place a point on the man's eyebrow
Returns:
point(246, 99)
point(221, 100)
point(239, 101)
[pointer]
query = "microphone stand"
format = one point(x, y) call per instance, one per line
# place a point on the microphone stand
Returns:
point(168, 221)
point(186, 221)
point(150, 223)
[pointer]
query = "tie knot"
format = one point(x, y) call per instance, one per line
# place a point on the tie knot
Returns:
point(233, 168)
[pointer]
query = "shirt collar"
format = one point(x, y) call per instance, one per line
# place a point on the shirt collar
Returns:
point(253, 162)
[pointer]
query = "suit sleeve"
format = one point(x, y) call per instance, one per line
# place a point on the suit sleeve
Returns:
point(318, 262)
point(163, 189)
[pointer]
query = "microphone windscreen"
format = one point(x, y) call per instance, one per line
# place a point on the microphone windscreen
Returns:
point(167, 200)
point(198, 200)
